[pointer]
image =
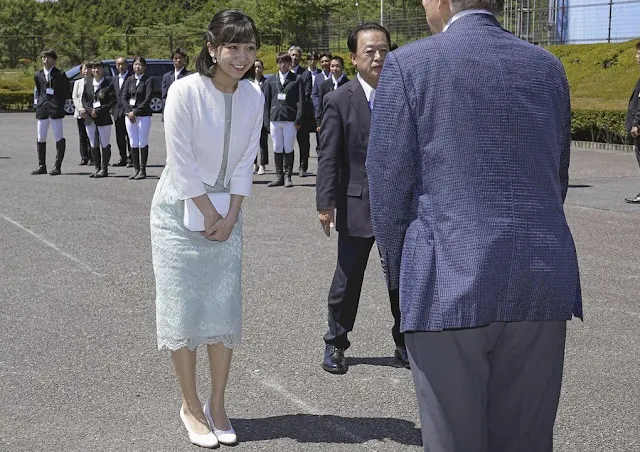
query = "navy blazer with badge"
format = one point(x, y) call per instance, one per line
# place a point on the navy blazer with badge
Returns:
point(51, 105)
point(105, 94)
point(341, 181)
point(292, 108)
point(118, 107)
point(141, 93)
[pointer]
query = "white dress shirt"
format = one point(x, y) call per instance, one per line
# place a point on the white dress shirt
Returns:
point(121, 78)
point(47, 74)
point(176, 74)
point(336, 81)
point(463, 13)
point(369, 92)
point(283, 77)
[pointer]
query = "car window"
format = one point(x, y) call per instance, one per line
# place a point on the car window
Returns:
point(158, 69)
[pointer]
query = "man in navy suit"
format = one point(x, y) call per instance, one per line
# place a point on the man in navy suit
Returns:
point(180, 60)
point(342, 185)
point(302, 133)
point(122, 138)
point(468, 166)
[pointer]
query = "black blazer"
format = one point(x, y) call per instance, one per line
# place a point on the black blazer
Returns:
point(51, 105)
point(290, 109)
point(118, 107)
point(633, 115)
point(169, 78)
point(325, 88)
point(106, 95)
point(141, 93)
point(341, 180)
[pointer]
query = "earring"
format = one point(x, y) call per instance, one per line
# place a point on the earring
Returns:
point(213, 57)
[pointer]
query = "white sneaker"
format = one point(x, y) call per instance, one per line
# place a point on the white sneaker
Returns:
point(227, 437)
point(208, 440)
point(260, 170)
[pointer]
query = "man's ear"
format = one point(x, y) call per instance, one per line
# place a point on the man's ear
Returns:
point(444, 6)
point(353, 59)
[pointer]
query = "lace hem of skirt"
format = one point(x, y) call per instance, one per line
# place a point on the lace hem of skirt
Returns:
point(229, 341)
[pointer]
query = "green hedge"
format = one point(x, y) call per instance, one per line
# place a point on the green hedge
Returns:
point(16, 100)
point(603, 126)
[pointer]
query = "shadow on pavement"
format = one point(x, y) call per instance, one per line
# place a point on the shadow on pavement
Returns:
point(580, 186)
point(309, 428)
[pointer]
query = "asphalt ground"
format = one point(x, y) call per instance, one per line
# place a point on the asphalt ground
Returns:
point(79, 367)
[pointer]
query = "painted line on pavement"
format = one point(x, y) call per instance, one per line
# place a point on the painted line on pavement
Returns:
point(277, 387)
point(52, 245)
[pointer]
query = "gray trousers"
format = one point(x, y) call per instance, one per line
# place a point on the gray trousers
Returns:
point(489, 389)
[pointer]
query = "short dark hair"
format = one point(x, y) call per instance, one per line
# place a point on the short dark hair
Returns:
point(179, 51)
point(325, 54)
point(352, 40)
point(95, 63)
point(312, 56)
point(283, 57)
point(258, 60)
point(495, 6)
point(228, 25)
point(140, 59)
point(86, 64)
point(339, 59)
point(49, 53)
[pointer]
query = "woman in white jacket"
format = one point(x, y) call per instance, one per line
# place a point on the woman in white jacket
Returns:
point(212, 123)
point(80, 115)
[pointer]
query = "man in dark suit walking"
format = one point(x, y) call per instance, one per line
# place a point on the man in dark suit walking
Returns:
point(468, 165)
point(302, 135)
point(180, 60)
point(633, 121)
point(122, 138)
point(342, 184)
point(336, 80)
point(52, 90)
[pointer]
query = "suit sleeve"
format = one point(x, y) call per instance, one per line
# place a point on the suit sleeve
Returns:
point(87, 100)
point(124, 96)
point(320, 104)
point(178, 127)
point(148, 92)
point(314, 93)
point(566, 138)
point(242, 177)
point(77, 97)
point(165, 86)
point(267, 105)
point(301, 102)
point(330, 156)
point(393, 168)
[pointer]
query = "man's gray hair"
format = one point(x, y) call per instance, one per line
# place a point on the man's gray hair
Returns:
point(495, 6)
point(296, 48)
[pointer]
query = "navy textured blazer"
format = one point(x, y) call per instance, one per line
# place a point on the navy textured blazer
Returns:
point(468, 165)
point(51, 106)
point(341, 181)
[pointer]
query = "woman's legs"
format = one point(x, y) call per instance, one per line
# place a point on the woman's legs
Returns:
point(184, 363)
point(219, 365)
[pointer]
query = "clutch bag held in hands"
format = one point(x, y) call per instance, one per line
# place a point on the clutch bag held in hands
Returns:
point(194, 219)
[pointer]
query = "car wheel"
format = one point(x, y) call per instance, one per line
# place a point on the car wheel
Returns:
point(156, 104)
point(69, 107)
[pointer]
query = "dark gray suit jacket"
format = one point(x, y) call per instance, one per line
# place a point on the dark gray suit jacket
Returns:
point(118, 107)
point(341, 181)
point(468, 167)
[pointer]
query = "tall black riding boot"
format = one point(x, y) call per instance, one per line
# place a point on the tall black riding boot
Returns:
point(288, 169)
point(135, 157)
point(42, 159)
point(278, 159)
point(106, 156)
point(144, 156)
point(60, 148)
point(95, 156)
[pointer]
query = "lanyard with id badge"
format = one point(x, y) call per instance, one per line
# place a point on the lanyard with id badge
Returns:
point(50, 91)
point(282, 94)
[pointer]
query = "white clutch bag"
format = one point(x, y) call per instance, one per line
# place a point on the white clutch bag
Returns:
point(193, 218)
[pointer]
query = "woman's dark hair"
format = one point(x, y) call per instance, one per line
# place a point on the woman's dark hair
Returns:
point(352, 40)
point(49, 53)
point(140, 59)
point(325, 54)
point(86, 64)
point(227, 26)
point(258, 60)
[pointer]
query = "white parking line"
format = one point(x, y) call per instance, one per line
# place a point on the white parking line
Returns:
point(52, 245)
point(277, 387)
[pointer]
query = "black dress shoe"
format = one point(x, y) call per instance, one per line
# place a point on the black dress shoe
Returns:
point(635, 200)
point(82, 162)
point(120, 163)
point(303, 173)
point(402, 356)
point(334, 361)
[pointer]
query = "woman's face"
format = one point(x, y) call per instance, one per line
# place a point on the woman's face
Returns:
point(84, 71)
point(98, 72)
point(138, 67)
point(234, 59)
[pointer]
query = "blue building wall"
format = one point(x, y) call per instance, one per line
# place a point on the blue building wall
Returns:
point(587, 21)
